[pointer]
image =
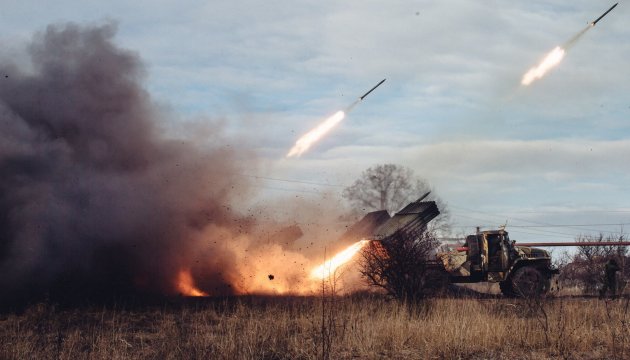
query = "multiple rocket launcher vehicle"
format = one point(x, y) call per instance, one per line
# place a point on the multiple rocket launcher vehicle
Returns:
point(487, 256)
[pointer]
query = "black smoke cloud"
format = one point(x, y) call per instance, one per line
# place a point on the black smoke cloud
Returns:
point(96, 199)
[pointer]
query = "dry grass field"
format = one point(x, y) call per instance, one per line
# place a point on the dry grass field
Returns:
point(315, 328)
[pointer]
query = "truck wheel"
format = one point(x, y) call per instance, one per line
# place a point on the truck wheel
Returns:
point(528, 282)
point(506, 288)
point(546, 285)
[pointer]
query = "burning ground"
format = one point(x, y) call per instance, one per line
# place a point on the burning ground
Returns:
point(97, 199)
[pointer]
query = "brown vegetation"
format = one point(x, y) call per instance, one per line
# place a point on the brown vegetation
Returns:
point(399, 265)
point(585, 268)
point(292, 328)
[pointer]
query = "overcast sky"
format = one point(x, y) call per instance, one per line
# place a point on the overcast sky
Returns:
point(452, 108)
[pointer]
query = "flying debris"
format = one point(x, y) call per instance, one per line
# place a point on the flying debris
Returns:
point(382, 81)
point(604, 14)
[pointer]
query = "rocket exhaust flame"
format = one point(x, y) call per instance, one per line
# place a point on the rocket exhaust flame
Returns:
point(307, 140)
point(550, 61)
point(557, 54)
point(329, 267)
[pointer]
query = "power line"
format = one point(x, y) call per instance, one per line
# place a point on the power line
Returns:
point(541, 231)
point(528, 221)
point(292, 181)
point(557, 225)
point(548, 235)
point(569, 225)
point(288, 190)
point(567, 211)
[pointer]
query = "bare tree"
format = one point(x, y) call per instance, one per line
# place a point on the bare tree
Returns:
point(586, 269)
point(390, 187)
point(399, 265)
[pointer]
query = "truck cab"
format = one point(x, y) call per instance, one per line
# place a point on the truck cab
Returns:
point(490, 254)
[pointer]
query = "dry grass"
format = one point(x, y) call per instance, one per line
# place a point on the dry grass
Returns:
point(285, 328)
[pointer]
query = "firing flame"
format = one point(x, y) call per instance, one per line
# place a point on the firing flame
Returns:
point(186, 284)
point(311, 137)
point(551, 60)
point(330, 266)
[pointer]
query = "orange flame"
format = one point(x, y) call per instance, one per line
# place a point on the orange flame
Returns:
point(311, 137)
point(330, 266)
point(551, 60)
point(186, 284)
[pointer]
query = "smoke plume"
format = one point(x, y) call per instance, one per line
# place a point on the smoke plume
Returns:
point(95, 198)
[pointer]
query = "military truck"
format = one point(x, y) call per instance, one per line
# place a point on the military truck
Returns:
point(490, 256)
point(487, 256)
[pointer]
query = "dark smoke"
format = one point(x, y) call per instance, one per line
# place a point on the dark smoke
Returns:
point(95, 199)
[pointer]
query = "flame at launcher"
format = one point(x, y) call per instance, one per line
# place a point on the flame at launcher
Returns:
point(330, 266)
point(186, 284)
point(550, 61)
